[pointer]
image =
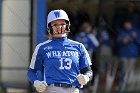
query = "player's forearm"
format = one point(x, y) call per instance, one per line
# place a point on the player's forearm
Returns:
point(87, 71)
point(31, 75)
point(89, 74)
point(85, 76)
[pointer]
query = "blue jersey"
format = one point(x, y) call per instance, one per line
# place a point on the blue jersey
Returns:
point(61, 59)
point(103, 36)
point(130, 49)
point(89, 40)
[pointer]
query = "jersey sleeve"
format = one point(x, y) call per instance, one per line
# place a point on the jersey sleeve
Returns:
point(94, 41)
point(84, 60)
point(35, 65)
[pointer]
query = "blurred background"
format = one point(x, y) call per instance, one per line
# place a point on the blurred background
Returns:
point(109, 29)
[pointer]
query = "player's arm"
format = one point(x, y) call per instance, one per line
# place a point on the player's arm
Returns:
point(85, 69)
point(123, 38)
point(35, 66)
point(94, 40)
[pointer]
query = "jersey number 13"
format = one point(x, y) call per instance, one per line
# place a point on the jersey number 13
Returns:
point(68, 62)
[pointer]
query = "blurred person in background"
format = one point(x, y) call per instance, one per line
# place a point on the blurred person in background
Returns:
point(104, 50)
point(131, 12)
point(128, 39)
point(80, 14)
point(91, 43)
point(87, 37)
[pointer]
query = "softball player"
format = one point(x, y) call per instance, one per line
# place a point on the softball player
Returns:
point(64, 63)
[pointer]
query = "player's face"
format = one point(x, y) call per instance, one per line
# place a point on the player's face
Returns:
point(86, 27)
point(58, 26)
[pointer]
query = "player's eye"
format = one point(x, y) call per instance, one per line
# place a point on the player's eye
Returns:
point(62, 25)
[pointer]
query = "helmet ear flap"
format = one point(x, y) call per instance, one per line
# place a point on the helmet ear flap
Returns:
point(68, 28)
point(50, 30)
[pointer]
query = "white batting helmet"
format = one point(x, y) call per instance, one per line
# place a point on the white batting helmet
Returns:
point(57, 14)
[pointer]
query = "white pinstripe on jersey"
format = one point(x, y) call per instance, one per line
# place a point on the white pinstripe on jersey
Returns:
point(35, 53)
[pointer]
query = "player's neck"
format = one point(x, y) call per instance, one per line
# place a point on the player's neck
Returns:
point(59, 35)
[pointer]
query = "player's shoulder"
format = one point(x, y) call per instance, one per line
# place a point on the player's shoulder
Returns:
point(73, 42)
point(43, 43)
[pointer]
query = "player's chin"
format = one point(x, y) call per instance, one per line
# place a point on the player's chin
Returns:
point(42, 90)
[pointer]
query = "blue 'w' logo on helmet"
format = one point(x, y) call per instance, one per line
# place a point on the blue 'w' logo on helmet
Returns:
point(57, 14)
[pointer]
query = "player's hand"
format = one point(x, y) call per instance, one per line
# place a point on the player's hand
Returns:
point(134, 35)
point(82, 79)
point(126, 39)
point(40, 85)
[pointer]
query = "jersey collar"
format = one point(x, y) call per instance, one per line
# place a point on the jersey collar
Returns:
point(60, 38)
